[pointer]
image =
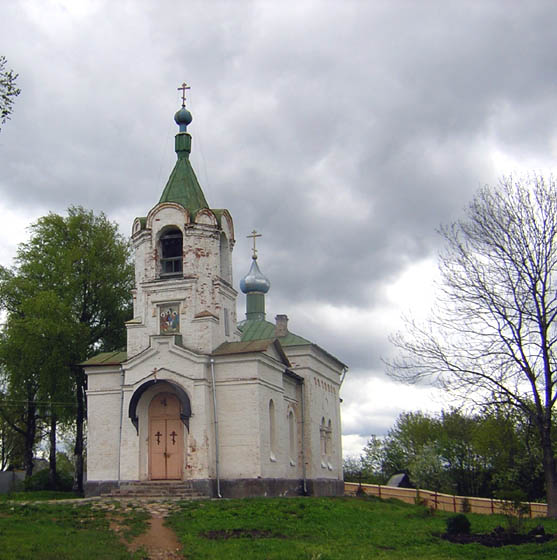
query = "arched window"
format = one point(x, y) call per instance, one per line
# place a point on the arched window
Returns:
point(171, 252)
point(272, 431)
point(292, 437)
point(225, 267)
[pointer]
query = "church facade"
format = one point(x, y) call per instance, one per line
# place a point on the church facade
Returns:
point(232, 408)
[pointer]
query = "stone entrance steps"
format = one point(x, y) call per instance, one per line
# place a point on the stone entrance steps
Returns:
point(156, 489)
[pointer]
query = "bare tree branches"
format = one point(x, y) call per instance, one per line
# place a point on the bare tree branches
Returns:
point(493, 335)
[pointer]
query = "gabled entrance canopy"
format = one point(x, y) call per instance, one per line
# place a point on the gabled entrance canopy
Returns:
point(185, 405)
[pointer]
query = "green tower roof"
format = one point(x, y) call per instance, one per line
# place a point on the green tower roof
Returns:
point(182, 186)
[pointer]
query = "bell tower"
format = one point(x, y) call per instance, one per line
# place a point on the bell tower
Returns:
point(183, 262)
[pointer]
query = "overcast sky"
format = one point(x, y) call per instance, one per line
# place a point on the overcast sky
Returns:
point(345, 132)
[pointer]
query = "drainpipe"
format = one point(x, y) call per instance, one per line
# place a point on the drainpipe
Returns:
point(344, 372)
point(121, 414)
point(216, 427)
point(303, 396)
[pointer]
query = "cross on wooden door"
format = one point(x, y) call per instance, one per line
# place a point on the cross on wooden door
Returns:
point(166, 438)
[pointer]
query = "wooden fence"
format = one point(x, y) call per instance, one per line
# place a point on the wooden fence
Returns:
point(443, 502)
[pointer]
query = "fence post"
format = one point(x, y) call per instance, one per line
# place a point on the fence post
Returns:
point(454, 503)
point(379, 488)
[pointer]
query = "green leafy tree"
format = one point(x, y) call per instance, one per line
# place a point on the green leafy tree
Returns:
point(8, 90)
point(485, 454)
point(372, 460)
point(352, 469)
point(11, 442)
point(367, 467)
point(77, 271)
point(512, 454)
point(42, 333)
point(428, 470)
point(411, 432)
point(467, 469)
point(19, 406)
point(493, 337)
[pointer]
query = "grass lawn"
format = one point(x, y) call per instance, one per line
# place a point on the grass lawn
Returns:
point(37, 495)
point(333, 528)
point(266, 528)
point(62, 532)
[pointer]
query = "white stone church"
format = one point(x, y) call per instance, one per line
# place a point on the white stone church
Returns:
point(231, 408)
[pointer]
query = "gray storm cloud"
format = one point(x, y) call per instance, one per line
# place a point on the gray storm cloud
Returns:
point(344, 132)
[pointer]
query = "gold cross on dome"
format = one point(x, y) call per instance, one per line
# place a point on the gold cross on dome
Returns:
point(254, 235)
point(183, 89)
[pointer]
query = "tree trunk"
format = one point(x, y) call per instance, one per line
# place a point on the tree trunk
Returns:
point(80, 417)
point(52, 478)
point(550, 471)
point(3, 438)
point(30, 434)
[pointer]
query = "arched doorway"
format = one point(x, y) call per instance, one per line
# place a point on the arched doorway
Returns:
point(166, 438)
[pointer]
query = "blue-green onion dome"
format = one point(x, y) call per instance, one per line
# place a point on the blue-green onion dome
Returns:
point(183, 118)
point(254, 280)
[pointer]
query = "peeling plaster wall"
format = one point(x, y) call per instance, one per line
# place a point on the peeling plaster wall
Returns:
point(201, 291)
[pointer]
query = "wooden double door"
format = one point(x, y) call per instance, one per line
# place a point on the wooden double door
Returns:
point(166, 438)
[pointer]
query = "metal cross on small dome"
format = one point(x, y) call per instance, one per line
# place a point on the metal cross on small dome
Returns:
point(254, 235)
point(183, 90)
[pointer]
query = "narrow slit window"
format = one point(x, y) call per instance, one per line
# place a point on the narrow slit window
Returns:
point(323, 441)
point(272, 432)
point(328, 439)
point(226, 323)
point(292, 437)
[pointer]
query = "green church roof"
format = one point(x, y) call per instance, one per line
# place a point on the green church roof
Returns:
point(260, 330)
point(106, 359)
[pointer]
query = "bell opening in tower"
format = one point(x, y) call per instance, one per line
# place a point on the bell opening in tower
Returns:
point(171, 252)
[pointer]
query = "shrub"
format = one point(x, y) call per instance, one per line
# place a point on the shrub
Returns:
point(39, 481)
point(514, 509)
point(458, 525)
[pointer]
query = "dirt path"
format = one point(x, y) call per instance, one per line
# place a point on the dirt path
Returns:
point(159, 542)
